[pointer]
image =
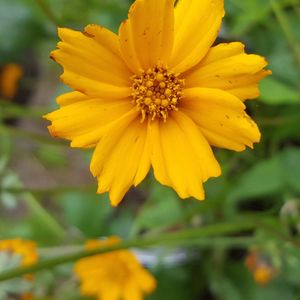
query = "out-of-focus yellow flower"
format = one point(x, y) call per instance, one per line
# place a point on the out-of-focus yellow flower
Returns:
point(25, 251)
point(262, 271)
point(263, 274)
point(9, 80)
point(115, 275)
point(157, 95)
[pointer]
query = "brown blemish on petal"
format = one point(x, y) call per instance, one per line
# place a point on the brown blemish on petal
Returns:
point(51, 56)
point(87, 34)
point(53, 132)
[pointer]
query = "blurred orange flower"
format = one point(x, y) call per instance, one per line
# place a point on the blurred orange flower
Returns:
point(262, 271)
point(9, 79)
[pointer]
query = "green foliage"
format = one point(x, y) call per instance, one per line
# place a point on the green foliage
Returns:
point(77, 206)
point(60, 211)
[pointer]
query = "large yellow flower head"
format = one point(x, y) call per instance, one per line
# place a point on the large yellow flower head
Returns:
point(115, 275)
point(157, 95)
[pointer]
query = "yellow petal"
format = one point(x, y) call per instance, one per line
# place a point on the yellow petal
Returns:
point(111, 292)
point(146, 37)
point(221, 118)
point(196, 27)
point(181, 156)
point(145, 280)
point(70, 98)
point(83, 119)
point(145, 160)
point(132, 292)
point(117, 160)
point(92, 62)
point(229, 68)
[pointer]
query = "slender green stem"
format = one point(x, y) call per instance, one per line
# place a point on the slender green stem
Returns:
point(48, 12)
point(11, 110)
point(279, 121)
point(38, 210)
point(178, 238)
point(27, 134)
point(284, 24)
point(209, 242)
point(280, 235)
point(50, 190)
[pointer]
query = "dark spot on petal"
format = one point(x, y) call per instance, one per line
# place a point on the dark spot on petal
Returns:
point(80, 91)
point(89, 35)
point(52, 57)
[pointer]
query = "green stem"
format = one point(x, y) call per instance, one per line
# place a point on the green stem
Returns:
point(284, 24)
point(48, 12)
point(11, 110)
point(278, 121)
point(27, 134)
point(209, 242)
point(38, 210)
point(50, 190)
point(182, 237)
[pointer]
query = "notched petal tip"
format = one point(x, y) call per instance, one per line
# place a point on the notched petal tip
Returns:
point(61, 30)
point(114, 201)
point(87, 34)
point(91, 30)
point(52, 56)
point(53, 131)
point(47, 117)
point(267, 72)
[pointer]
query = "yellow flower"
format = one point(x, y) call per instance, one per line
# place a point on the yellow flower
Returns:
point(9, 80)
point(25, 249)
point(113, 276)
point(263, 271)
point(24, 252)
point(157, 95)
point(263, 274)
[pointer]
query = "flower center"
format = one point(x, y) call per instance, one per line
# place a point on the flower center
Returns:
point(156, 92)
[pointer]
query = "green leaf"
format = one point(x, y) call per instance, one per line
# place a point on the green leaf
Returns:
point(250, 13)
point(87, 212)
point(279, 174)
point(163, 209)
point(274, 91)
point(172, 284)
point(264, 178)
point(290, 163)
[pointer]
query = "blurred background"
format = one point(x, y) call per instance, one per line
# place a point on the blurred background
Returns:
point(48, 195)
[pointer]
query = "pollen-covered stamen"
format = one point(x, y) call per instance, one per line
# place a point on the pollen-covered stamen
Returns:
point(156, 92)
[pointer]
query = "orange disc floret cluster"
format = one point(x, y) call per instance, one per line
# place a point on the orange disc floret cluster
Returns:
point(116, 275)
point(159, 94)
point(156, 92)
